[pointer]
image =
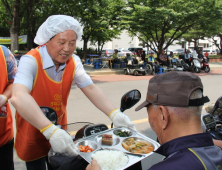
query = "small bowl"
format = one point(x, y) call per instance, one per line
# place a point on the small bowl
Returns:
point(123, 130)
point(91, 144)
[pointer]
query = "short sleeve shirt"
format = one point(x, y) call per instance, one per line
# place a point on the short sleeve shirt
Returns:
point(163, 57)
point(10, 62)
point(27, 70)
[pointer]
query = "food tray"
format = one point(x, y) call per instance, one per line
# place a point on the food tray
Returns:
point(117, 144)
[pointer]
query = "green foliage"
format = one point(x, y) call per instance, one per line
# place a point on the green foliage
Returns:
point(159, 22)
point(209, 24)
point(100, 19)
point(215, 56)
point(5, 23)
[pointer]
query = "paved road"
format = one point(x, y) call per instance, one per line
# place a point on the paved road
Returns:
point(114, 86)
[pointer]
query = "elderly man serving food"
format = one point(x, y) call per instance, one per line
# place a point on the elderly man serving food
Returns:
point(174, 115)
point(44, 78)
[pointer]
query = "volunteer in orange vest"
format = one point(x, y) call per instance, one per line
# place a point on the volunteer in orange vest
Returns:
point(8, 70)
point(44, 78)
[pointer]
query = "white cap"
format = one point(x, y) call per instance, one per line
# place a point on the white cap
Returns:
point(54, 25)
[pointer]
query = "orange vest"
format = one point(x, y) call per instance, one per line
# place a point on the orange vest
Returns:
point(30, 144)
point(6, 128)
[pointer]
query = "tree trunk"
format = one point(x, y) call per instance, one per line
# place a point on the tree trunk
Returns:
point(29, 26)
point(220, 44)
point(85, 49)
point(159, 47)
point(98, 45)
point(14, 30)
point(29, 41)
point(195, 45)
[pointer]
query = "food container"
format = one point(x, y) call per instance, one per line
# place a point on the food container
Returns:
point(126, 132)
point(91, 144)
point(117, 144)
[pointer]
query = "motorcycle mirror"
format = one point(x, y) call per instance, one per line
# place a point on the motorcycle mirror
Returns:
point(50, 113)
point(130, 99)
point(217, 105)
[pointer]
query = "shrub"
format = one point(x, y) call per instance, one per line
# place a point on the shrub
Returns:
point(215, 56)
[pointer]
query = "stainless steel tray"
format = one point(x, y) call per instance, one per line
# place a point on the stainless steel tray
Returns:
point(96, 140)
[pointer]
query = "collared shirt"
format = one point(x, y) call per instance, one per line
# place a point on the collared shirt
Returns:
point(163, 57)
point(11, 62)
point(180, 153)
point(27, 70)
point(187, 55)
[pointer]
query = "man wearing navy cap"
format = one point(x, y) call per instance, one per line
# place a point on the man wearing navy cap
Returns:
point(174, 103)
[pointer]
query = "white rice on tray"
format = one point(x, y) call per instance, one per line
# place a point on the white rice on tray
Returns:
point(110, 159)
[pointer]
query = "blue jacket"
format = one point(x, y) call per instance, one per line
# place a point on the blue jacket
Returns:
point(193, 152)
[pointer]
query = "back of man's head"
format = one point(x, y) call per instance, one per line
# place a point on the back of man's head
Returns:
point(177, 99)
point(186, 114)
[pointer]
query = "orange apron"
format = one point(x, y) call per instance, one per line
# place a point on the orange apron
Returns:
point(30, 144)
point(6, 128)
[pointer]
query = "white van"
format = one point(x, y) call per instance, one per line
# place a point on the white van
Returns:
point(210, 51)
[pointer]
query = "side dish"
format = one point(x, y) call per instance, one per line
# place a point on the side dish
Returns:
point(136, 146)
point(123, 134)
point(107, 139)
point(85, 148)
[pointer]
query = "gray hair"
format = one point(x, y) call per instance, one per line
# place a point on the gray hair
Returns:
point(185, 112)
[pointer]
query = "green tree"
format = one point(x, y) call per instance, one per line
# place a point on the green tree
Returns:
point(213, 25)
point(4, 24)
point(13, 10)
point(193, 36)
point(24, 17)
point(103, 35)
point(158, 23)
point(94, 16)
point(36, 13)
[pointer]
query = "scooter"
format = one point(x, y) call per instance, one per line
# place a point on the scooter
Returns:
point(81, 130)
point(205, 65)
point(212, 122)
point(195, 65)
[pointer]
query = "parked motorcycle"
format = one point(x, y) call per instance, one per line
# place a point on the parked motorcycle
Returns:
point(205, 65)
point(83, 129)
point(212, 122)
point(195, 65)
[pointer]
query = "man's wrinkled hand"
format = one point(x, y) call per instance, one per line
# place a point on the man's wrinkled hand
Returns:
point(61, 142)
point(93, 166)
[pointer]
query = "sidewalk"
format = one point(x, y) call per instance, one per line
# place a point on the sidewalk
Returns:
point(102, 71)
point(107, 71)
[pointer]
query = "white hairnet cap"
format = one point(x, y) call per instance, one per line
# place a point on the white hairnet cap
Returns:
point(54, 25)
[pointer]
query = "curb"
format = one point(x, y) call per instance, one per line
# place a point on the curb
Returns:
point(107, 71)
point(98, 73)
